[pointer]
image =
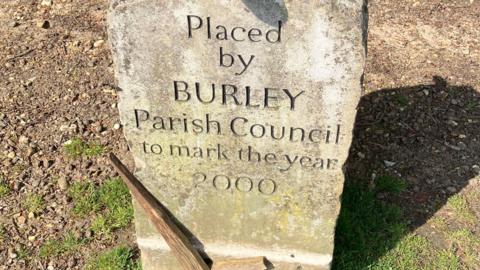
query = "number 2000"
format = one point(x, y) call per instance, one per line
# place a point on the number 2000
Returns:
point(241, 183)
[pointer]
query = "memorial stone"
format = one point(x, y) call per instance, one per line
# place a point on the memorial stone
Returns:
point(239, 116)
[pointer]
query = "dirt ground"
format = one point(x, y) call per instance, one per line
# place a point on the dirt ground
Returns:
point(418, 121)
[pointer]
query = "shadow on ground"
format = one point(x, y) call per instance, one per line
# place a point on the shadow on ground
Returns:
point(413, 148)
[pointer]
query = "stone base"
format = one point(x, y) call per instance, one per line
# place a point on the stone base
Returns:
point(156, 256)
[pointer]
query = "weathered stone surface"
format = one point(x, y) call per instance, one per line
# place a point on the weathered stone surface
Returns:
point(256, 167)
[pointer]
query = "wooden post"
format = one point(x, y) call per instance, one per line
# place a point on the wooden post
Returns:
point(186, 254)
point(182, 249)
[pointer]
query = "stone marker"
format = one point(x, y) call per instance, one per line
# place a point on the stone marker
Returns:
point(239, 115)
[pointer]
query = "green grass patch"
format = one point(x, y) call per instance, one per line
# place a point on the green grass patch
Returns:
point(4, 189)
point(114, 219)
point(401, 99)
point(366, 228)
point(373, 235)
point(54, 248)
point(85, 198)
point(471, 106)
point(468, 245)
point(390, 184)
point(34, 203)
point(119, 258)
point(23, 252)
point(460, 207)
point(76, 148)
point(110, 203)
point(439, 223)
point(416, 252)
point(118, 210)
point(406, 254)
point(446, 260)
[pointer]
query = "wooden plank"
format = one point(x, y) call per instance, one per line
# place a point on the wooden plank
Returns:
point(178, 242)
point(186, 254)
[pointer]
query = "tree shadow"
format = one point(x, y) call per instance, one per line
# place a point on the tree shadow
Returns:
point(268, 11)
point(425, 136)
